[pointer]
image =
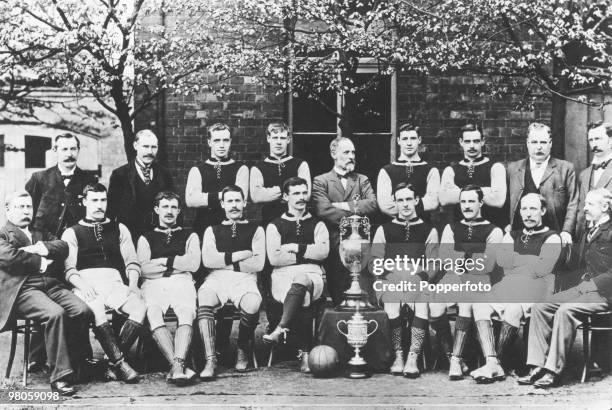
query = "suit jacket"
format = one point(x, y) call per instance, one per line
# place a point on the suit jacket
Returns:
point(584, 182)
point(56, 206)
point(327, 188)
point(122, 198)
point(16, 265)
point(596, 259)
point(558, 187)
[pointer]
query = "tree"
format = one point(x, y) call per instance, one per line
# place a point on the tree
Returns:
point(88, 47)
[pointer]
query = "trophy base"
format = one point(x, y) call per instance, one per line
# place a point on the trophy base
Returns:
point(352, 303)
point(359, 371)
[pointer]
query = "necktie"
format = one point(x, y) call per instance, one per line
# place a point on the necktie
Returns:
point(146, 173)
point(601, 165)
point(591, 232)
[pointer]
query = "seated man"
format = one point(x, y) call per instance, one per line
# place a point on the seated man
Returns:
point(528, 258)
point(297, 245)
point(473, 237)
point(168, 256)
point(234, 251)
point(406, 235)
point(27, 291)
point(552, 328)
point(98, 249)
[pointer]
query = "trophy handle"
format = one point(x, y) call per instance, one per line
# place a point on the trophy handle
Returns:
point(341, 332)
point(365, 221)
point(375, 329)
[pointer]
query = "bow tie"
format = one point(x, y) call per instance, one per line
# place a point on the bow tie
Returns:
point(411, 220)
point(601, 165)
point(345, 176)
point(66, 177)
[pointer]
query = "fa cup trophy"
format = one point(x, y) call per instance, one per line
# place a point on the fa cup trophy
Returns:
point(351, 257)
point(357, 336)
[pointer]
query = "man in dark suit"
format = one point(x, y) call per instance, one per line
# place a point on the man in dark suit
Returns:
point(56, 198)
point(133, 186)
point(552, 178)
point(341, 192)
point(26, 291)
point(552, 328)
point(599, 173)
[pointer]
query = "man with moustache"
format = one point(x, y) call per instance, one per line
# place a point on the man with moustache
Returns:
point(27, 291)
point(206, 181)
point(133, 186)
point(406, 235)
point(599, 173)
point(268, 176)
point(56, 198)
point(297, 245)
point(234, 251)
point(341, 192)
point(550, 177)
point(552, 328)
point(473, 237)
point(475, 169)
point(411, 169)
point(98, 250)
point(528, 257)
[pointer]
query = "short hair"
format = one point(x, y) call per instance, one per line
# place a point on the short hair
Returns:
point(231, 188)
point(67, 136)
point(333, 145)
point(168, 195)
point(276, 127)
point(143, 133)
point(218, 126)
point(540, 197)
point(538, 126)
point(93, 187)
point(473, 187)
point(293, 181)
point(408, 127)
point(14, 195)
point(469, 127)
point(400, 186)
point(605, 194)
point(607, 126)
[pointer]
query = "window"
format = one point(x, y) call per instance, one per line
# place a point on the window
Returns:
point(35, 151)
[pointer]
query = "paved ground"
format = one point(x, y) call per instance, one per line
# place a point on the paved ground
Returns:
point(283, 386)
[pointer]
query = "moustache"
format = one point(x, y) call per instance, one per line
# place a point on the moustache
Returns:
point(168, 216)
point(70, 159)
point(301, 202)
point(234, 210)
point(467, 210)
point(149, 156)
point(595, 149)
point(26, 219)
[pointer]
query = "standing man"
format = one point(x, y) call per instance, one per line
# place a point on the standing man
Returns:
point(297, 245)
point(475, 169)
point(269, 175)
point(27, 291)
point(169, 255)
point(599, 173)
point(98, 250)
point(206, 181)
point(410, 169)
point(552, 328)
point(550, 177)
point(341, 192)
point(56, 197)
point(133, 186)
point(234, 251)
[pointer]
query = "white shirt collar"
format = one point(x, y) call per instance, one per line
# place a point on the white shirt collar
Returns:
point(340, 171)
point(597, 160)
point(605, 218)
point(543, 165)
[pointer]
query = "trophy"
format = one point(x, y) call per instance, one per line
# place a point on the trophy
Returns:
point(351, 256)
point(357, 336)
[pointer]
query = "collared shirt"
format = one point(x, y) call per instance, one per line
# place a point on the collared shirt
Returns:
point(139, 170)
point(599, 172)
point(27, 233)
point(594, 226)
point(537, 170)
point(65, 173)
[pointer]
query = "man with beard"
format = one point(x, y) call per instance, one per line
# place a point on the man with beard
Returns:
point(528, 257)
point(268, 176)
point(473, 237)
point(169, 255)
point(341, 192)
point(407, 235)
point(56, 198)
point(297, 245)
point(475, 169)
point(599, 173)
point(234, 251)
point(552, 328)
point(98, 250)
point(205, 182)
point(133, 186)
point(411, 169)
point(27, 291)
